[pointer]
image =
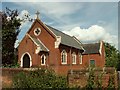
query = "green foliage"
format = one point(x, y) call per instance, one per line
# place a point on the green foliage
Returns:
point(118, 64)
point(94, 81)
point(0, 40)
point(16, 65)
point(91, 82)
point(119, 87)
point(10, 31)
point(111, 83)
point(98, 83)
point(41, 78)
point(112, 56)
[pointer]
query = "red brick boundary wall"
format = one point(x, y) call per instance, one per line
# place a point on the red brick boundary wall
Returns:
point(75, 77)
point(78, 78)
point(8, 73)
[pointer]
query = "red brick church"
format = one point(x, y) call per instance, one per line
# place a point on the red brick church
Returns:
point(45, 46)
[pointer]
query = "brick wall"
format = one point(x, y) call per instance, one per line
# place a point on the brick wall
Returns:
point(75, 77)
point(79, 77)
point(8, 73)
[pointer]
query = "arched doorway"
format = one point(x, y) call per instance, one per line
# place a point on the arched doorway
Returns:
point(26, 61)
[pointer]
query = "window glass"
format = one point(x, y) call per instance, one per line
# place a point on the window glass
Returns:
point(92, 62)
point(74, 58)
point(43, 57)
point(64, 57)
point(80, 57)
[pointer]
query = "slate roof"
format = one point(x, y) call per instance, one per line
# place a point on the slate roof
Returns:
point(39, 43)
point(91, 48)
point(66, 39)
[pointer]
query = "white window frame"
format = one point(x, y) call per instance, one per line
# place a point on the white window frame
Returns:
point(44, 59)
point(35, 31)
point(73, 58)
point(64, 53)
point(80, 57)
point(21, 60)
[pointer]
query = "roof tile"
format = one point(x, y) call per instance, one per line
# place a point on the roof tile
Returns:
point(91, 48)
point(66, 39)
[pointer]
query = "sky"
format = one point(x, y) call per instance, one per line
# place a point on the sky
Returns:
point(88, 21)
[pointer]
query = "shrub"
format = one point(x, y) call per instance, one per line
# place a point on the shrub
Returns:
point(41, 78)
point(111, 83)
point(17, 65)
point(94, 81)
point(91, 82)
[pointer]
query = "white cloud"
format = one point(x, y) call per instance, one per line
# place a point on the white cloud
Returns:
point(25, 22)
point(23, 13)
point(93, 34)
point(60, 9)
point(61, 14)
point(56, 11)
point(25, 25)
point(16, 43)
point(8, 18)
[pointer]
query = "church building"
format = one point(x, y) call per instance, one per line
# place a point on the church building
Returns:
point(45, 46)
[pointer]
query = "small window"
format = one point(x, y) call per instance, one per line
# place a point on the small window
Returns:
point(43, 59)
point(74, 58)
point(92, 63)
point(37, 31)
point(80, 58)
point(64, 57)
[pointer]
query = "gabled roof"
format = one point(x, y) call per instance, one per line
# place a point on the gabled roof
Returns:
point(91, 48)
point(39, 43)
point(42, 46)
point(66, 39)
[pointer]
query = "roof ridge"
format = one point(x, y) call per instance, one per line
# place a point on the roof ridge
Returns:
point(42, 43)
point(91, 43)
point(78, 42)
point(32, 39)
point(59, 31)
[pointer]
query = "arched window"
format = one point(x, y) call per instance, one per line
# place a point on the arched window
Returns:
point(73, 58)
point(23, 59)
point(80, 58)
point(43, 59)
point(64, 57)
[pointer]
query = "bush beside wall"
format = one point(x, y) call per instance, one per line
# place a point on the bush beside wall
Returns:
point(46, 78)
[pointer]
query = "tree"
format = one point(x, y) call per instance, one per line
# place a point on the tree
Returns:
point(118, 65)
point(112, 56)
point(0, 47)
point(10, 30)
